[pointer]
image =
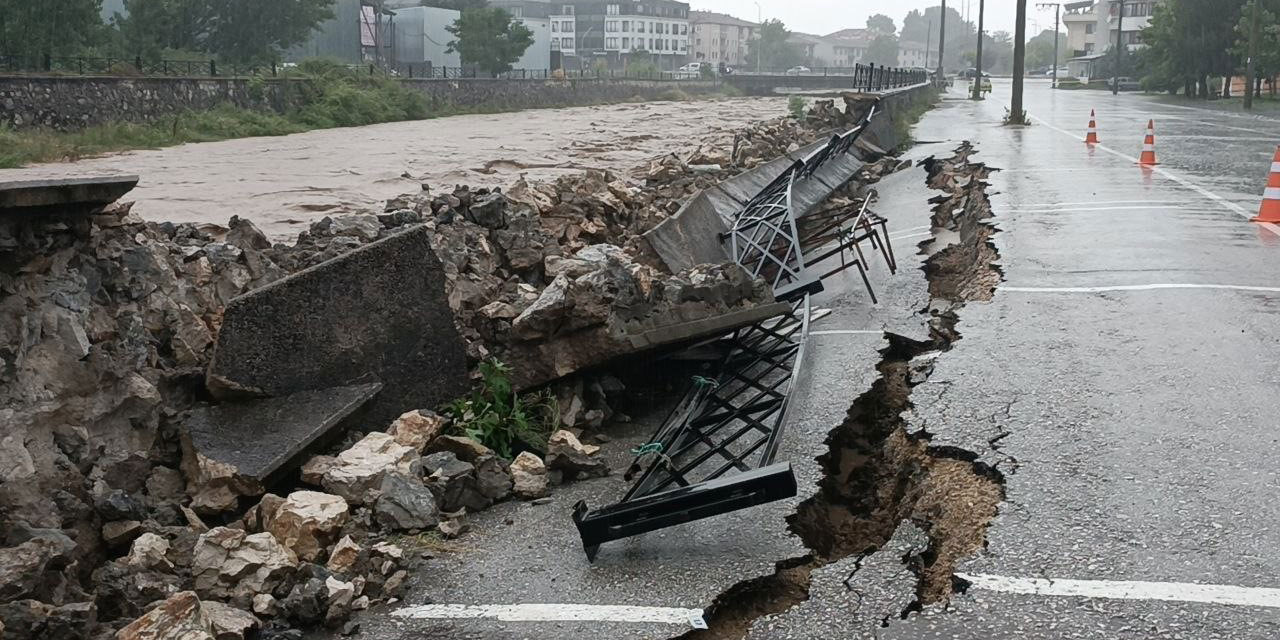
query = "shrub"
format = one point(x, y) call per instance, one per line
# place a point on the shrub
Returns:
point(796, 105)
point(500, 418)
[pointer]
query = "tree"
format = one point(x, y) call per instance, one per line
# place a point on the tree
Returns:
point(231, 30)
point(490, 39)
point(1040, 50)
point(883, 51)
point(882, 24)
point(1188, 42)
point(49, 27)
point(772, 50)
point(456, 5)
point(924, 27)
point(1267, 62)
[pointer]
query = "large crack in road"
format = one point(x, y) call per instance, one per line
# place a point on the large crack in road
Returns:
point(878, 472)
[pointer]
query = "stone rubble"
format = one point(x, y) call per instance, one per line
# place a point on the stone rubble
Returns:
point(107, 325)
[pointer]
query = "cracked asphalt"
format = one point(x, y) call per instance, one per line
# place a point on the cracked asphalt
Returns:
point(1136, 429)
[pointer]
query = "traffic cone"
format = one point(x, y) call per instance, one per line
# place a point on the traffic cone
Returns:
point(1270, 211)
point(1092, 137)
point(1148, 158)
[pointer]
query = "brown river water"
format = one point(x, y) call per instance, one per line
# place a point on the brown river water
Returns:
point(284, 183)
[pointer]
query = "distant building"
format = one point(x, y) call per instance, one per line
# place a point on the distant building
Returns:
point(613, 32)
point(719, 38)
point(917, 55)
point(1081, 21)
point(849, 47)
point(1137, 16)
point(818, 51)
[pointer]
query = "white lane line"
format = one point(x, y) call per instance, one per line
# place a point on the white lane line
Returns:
point(1099, 203)
point(847, 332)
point(1137, 287)
point(902, 231)
point(1121, 208)
point(1273, 228)
point(555, 613)
point(914, 235)
point(1129, 590)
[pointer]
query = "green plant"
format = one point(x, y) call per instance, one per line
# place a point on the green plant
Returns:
point(500, 418)
point(796, 105)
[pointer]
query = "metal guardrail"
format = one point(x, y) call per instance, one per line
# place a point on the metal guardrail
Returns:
point(716, 451)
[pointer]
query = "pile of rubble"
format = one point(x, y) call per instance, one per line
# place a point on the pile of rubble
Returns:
point(107, 325)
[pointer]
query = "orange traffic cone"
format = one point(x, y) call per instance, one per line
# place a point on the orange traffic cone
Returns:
point(1270, 211)
point(1092, 136)
point(1148, 158)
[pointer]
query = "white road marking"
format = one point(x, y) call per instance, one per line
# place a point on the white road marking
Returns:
point(1273, 228)
point(902, 231)
point(1137, 287)
point(1129, 590)
point(914, 235)
point(554, 613)
point(1097, 203)
point(1119, 208)
point(846, 332)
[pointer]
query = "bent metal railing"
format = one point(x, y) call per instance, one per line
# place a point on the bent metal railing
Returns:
point(716, 451)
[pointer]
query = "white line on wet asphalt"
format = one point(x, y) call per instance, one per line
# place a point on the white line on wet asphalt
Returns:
point(1162, 207)
point(1129, 590)
point(846, 332)
point(1096, 203)
point(914, 235)
point(902, 231)
point(555, 613)
point(1172, 176)
point(1138, 287)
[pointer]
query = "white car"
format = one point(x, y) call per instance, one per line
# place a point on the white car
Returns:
point(798, 70)
point(692, 70)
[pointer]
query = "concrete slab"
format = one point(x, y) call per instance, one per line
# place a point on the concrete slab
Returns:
point(692, 236)
point(70, 195)
point(747, 185)
point(263, 438)
point(378, 312)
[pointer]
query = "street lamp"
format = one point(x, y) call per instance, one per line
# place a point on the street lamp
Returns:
point(1057, 19)
point(759, 36)
point(977, 81)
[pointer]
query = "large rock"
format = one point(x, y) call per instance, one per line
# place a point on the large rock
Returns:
point(308, 522)
point(228, 622)
point(405, 503)
point(181, 617)
point(467, 449)
point(235, 448)
point(566, 454)
point(344, 556)
point(357, 472)
point(228, 563)
point(417, 428)
point(529, 476)
point(454, 483)
point(381, 310)
point(149, 552)
point(493, 478)
point(23, 567)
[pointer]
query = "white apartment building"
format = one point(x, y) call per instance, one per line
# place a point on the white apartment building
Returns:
point(1136, 17)
point(587, 31)
point(1081, 22)
point(719, 38)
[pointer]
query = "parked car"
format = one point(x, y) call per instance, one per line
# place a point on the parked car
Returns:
point(797, 70)
point(692, 70)
point(1125, 83)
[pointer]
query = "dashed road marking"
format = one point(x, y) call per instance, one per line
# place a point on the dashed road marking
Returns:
point(847, 332)
point(1129, 590)
point(1235, 208)
point(555, 613)
point(1137, 287)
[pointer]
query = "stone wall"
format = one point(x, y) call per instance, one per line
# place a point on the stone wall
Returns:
point(68, 103)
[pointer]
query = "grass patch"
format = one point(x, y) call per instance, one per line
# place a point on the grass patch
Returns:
point(502, 419)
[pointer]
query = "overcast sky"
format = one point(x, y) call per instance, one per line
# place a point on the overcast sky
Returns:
point(825, 16)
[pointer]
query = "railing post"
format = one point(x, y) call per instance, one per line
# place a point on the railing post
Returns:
point(274, 71)
point(137, 63)
point(213, 67)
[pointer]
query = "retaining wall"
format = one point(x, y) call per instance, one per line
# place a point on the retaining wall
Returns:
point(74, 102)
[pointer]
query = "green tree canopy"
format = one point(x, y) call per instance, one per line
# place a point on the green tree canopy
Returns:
point(1040, 50)
point(883, 51)
point(49, 27)
point(772, 48)
point(1268, 61)
point(925, 27)
point(883, 24)
point(233, 30)
point(489, 38)
point(456, 5)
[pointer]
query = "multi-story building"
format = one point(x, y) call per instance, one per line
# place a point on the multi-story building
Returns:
point(848, 47)
point(1081, 22)
point(719, 38)
point(917, 55)
point(1136, 17)
point(614, 32)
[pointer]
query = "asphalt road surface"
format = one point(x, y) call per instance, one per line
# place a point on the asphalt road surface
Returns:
point(1128, 370)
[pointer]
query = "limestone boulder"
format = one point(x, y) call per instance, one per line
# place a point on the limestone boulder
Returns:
point(405, 503)
point(343, 556)
point(180, 617)
point(307, 522)
point(228, 622)
point(417, 428)
point(226, 562)
point(572, 458)
point(357, 472)
point(466, 449)
point(529, 477)
point(150, 552)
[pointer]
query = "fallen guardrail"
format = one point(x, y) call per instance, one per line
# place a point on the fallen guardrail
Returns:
point(716, 451)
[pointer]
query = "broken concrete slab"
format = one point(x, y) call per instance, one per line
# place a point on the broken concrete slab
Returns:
point(879, 138)
point(692, 236)
point(261, 438)
point(378, 312)
point(68, 195)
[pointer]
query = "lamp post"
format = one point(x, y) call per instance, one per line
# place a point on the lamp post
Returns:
point(942, 44)
point(759, 36)
point(977, 80)
point(1250, 73)
point(1115, 73)
point(1057, 20)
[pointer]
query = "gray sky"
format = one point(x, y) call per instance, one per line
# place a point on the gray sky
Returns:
point(826, 16)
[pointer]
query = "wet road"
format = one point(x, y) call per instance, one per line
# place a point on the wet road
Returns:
point(284, 183)
point(1127, 372)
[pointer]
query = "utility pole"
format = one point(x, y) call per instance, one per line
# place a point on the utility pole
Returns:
point(1057, 22)
point(1250, 74)
point(1115, 73)
point(942, 44)
point(928, 42)
point(760, 37)
point(977, 79)
point(1019, 62)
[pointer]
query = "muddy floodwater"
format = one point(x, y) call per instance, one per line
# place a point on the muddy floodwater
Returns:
point(284, 183)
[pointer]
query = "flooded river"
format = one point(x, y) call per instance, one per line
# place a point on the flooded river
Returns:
point(284, 183)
